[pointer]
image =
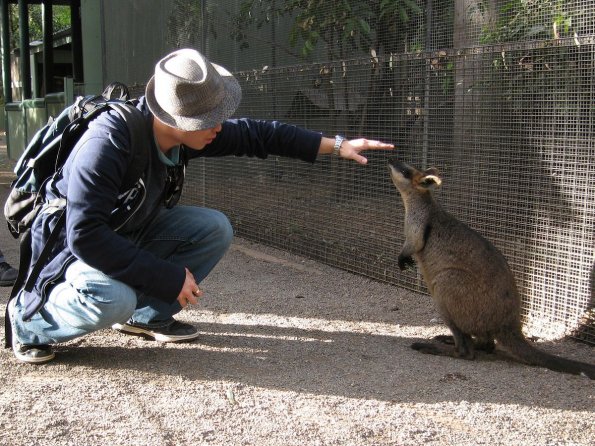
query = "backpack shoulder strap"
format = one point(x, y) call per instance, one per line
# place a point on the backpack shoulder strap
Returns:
point(135, 122)
point(139, 140)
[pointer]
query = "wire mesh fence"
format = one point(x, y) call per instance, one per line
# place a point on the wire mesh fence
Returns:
point(497, 95)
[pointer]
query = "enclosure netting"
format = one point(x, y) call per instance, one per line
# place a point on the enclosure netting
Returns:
point(497, 95)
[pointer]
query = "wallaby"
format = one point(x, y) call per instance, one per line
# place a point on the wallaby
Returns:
point(467, 277)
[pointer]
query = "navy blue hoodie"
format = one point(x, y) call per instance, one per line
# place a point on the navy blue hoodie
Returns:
point(99, 214)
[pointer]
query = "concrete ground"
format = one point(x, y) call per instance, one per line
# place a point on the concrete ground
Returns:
point(292, 352)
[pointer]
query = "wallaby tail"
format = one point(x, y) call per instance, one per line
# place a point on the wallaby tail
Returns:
point(521, 349)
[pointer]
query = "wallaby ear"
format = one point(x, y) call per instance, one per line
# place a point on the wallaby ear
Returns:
point(430, 180)
point(432, 171)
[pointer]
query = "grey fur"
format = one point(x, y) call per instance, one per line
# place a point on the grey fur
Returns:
point(468, 278)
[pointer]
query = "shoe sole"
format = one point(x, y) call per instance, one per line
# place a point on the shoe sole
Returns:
point(30, 360)
point(151, 335)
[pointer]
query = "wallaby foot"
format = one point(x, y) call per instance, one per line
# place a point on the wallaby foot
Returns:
point(441, 349)
point(432, 349)
point(405, 262)
point(486, 345)
point(445, 339)
point(464, 347)
point(459, 345)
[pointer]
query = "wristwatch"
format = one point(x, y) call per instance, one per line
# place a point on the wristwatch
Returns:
point(338, 141)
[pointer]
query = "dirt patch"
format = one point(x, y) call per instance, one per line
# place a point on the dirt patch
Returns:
point(292, 352)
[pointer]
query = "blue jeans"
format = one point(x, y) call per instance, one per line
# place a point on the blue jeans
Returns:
point(88, 300)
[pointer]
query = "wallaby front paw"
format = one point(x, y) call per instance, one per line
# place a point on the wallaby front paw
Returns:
point(405, 262)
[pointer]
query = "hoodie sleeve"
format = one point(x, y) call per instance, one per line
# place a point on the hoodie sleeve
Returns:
point(257, 138)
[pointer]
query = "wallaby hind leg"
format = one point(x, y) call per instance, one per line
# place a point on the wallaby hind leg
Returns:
point(485, 344)
point(463, 346)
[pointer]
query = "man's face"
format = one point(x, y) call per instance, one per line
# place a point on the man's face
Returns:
point(197, 139)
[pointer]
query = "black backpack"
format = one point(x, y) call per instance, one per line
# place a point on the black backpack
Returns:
point(44, 157)
point(47, 151)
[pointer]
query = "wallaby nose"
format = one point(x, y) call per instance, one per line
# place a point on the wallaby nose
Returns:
point(397, 164)
point(393, 161)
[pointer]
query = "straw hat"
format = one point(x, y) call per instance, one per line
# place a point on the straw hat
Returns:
point(190, 93)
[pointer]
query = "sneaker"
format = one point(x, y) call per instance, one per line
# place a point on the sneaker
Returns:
point(173, 332)
point(31, 354)
point(8, 274)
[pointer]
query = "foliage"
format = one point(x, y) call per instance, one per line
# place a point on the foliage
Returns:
point(341, 24)
point(60, 21)
point(527, 20)
point(183, 23)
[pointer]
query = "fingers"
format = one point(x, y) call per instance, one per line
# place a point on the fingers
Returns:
point(360, 159)
point(190, 298)
point(378, 145)
point(370, 144)
point(352, 149)
point(190, 293)
point(194, 296)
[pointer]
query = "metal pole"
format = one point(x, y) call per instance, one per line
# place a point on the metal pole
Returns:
point(48, 46)
point(7, 88)
point(426, 109)
point(203, 49)
point(77, 41)
point(274, 57)
point(203, 27)
point(25, 53)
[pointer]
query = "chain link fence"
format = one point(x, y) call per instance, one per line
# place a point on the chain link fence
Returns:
point(497, 95)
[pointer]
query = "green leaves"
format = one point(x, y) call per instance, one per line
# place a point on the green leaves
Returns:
point(60, 21)
point(528, 20)
point(402, 9)
point(346, 23)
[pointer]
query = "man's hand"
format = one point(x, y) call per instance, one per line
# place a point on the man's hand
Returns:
point(190, 291)
point(350, 149)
